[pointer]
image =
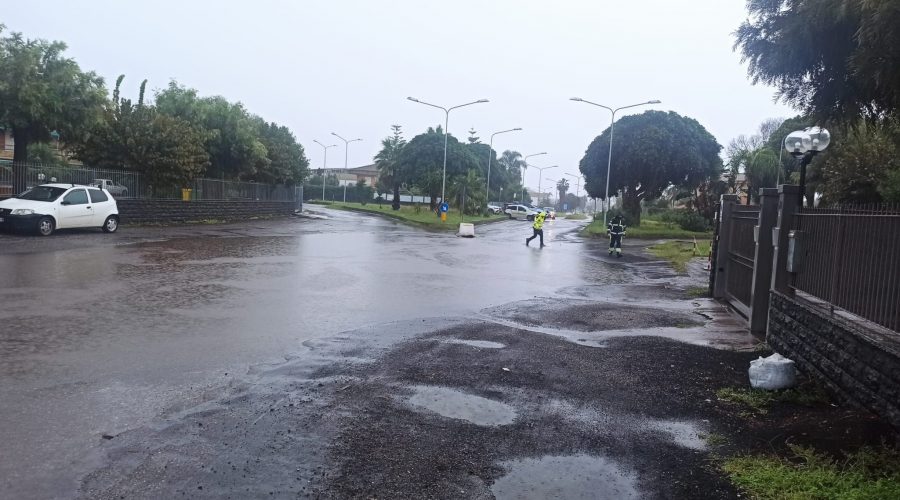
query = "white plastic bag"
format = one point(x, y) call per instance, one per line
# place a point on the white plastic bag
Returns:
point(773, 373)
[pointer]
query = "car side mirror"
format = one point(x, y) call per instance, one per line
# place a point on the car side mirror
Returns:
point(64, 202)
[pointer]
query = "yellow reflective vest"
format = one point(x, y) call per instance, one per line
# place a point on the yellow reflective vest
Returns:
point(539, 220)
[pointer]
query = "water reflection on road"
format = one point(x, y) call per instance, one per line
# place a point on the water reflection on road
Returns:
point(101, 338)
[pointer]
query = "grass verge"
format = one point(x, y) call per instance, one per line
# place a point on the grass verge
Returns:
point(759, 401)
point(649, 230)
point(867, 474)
point(678, 253)
point(408, 213)
point(576, 217)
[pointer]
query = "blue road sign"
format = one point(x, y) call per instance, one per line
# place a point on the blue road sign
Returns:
point(565, 206)
point(445, 207)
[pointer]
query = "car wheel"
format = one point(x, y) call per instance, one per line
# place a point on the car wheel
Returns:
point(111, 224)
point(510, 216)
point(46, 226)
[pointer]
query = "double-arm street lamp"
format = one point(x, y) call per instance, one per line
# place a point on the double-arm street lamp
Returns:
point(324, 163)
point(805, 145)
point(346, 147)
point(611, 129)
point(577, 188)
point(541, 169)
point(446, 132)
point(487, 189)
point(525, 163)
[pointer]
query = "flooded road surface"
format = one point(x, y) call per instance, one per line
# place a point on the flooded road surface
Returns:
point(103, 333)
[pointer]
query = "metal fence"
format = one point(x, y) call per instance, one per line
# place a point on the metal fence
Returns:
point(130, 185)
point(852, 260)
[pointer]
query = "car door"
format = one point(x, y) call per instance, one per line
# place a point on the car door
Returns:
point(101, 206)
point(521, 212)
point(75, 209)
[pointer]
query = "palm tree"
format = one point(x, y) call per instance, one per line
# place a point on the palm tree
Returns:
point(562, 186)
point(388, 165)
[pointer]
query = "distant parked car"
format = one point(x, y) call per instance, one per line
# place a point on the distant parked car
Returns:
point(551, 213)
point(520, 212)
point(48, 207)
point(114, 188)
point(494, 208)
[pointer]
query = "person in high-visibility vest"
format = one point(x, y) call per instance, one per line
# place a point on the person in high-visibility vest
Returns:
point(538, 227)
point(615, 230)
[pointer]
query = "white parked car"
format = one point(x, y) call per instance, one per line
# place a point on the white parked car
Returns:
point(494, 208)
point(49, 207)
point(520, 212)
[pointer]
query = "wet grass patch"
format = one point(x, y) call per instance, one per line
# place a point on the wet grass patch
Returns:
point(868, 473)
point(696, 292)
point(576, 217)
point(679, 252)
point(650, 230)
point(758, 401)
point(415, 214)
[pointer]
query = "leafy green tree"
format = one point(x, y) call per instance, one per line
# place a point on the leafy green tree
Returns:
point(509, 176)
point(421, 161)
point(862, 164)
point(652, 150)
point(42, 91)
point(44, 154)
point(363, 192)
point(168, 152)
point(762, 172)
point(287, 162)
point(387, 161)
point(233, 138)
point(833, 59)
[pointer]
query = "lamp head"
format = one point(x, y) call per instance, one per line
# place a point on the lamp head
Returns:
point(413, 99)
point(482, 100)
point(517, 128)
point(819, 137)
point(655, 101)
point(797, 143)
point(578, 99)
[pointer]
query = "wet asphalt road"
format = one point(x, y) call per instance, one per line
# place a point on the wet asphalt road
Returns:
point(122, 335)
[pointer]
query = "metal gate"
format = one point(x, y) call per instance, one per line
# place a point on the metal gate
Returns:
point(741, 255)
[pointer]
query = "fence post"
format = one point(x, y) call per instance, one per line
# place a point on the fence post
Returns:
point(723, 244)
point(788, 206)
point(762, 261)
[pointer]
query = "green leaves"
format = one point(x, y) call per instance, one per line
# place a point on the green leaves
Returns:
point(651, 151)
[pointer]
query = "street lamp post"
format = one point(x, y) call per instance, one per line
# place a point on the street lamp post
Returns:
point(324, 163)
point(525, 163)
point(446, 132)
point(550, 191)
point(487, 188)
point(577, 188)
point(611, 129)
point(346, 147)
point(805, 145)
point(541, 170)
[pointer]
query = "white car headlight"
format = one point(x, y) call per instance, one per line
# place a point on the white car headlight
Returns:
point(22, 211)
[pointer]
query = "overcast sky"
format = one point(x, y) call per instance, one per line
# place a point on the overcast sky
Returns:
point(348, 66)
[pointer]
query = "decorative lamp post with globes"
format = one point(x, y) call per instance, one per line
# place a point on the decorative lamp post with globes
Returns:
point(805, 145)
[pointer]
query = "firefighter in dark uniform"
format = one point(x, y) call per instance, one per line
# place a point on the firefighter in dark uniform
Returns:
point(615, 230)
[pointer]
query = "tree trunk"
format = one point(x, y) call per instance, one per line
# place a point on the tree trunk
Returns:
point(396, 203)
point(20, 158)
point(631, 204)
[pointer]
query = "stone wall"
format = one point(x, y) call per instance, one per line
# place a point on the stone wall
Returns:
point(168, 211)
point(860, 365)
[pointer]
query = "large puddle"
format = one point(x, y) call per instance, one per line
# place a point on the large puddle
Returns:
point(451, 403)
point(569, 477)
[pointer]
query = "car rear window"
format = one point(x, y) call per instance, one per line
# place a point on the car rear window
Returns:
point(97, 196)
